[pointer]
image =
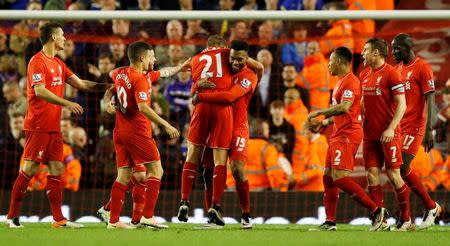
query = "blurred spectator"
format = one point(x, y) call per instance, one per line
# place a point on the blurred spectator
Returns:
point(340, 33)
point(17, 103)
point(222, 27)
point(308, 173)
point(265, 33)
point(296, 113)
point(142, 27)
point(72, 172)
point(16, 126)
point(282, 133)
point(262, 169)
point(300, 4)
point(159, 102)
point(106, 64)
point(55, 5)
point(178, 94)
point(272, 4)
point(294, 53)
point(20, 36)
point(289, 75)
point(78, 141)
point(430, 168)
point(121, 28)
point(362, 29)
point(239, 31)
point(196, 32)
point(446, 182)
point(442, 126)
point(315, 77)
point(8, 68)
point(250, 5)
point(117, 49)
point(174, 33)
point(186, 4)
point(267, 86)
point(4, 49)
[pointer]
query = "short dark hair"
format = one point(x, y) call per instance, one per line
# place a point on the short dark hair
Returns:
point(277, 104)
point(136, 49)
point(344, 53)
point(256, 128)
point(106, 55)
point(216, 40)
point(405, 39)
point(239, 45)
point(47, 30)
point(380, 45)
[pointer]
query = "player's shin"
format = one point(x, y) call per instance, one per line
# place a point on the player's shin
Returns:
point(330, 198)
point(54, 194)
point(18, 192)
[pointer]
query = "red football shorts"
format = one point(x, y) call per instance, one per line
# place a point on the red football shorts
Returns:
point(341, 156)
point(239, 145)
point(211, 125)
point(42, 147)
point(376, 154)
point(135, 150)
point(411, 143)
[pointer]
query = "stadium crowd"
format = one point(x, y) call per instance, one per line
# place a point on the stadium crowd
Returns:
point(282, 154)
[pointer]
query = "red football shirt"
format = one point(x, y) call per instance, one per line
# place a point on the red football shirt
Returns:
point(247, 80)
point(418, 78)
point(131, 87)
point(347, 127)
point(213, 63)
point(379, 86)
point(41, 115)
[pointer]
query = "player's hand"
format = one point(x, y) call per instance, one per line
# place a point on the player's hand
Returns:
point(110, 108)
point(171, 131)
point(195, 98)
point(314, 125)
point(313, 115)
point(186, 66)
point(75, 108)
point(205, 84)
point(387, 136)
point(428, 142)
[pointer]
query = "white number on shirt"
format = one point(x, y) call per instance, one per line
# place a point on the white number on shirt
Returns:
point(205, 72)
point(122, 98)
point(394, 152)
point(240, 142)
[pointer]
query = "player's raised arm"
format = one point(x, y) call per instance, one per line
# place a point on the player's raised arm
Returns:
point(107, 100)
point(86, 85)
point(256, 66)
point(145, 109)
point(43, 93)
point(170, 71)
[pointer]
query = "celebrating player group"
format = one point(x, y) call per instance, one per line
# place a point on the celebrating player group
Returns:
point(388, 108)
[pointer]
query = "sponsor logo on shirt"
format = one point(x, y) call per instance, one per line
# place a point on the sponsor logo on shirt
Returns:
point(245, 83)
point(37, 77)
point(348, 94)
point(57, 81)
point(143, 95)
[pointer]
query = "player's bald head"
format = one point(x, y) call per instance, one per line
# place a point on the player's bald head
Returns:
point(403, 39)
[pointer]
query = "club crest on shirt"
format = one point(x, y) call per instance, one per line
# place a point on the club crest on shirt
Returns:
point(245, 83)
point(379, 80)
point(143, 95)
point(37, 77)
point(348, 94)
point(408, 75)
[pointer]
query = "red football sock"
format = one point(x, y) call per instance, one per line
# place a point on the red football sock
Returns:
point(107, 206)
point(130, 186)
point(376, 194)
point(18, 192)
point(243, 191)
point(117, 199)
point(138, 201)
point(413, 181)
point(219, 181)
point(356, 192)
point(207, 177)
point(151, 196)
point(54, 194)
point(403, 202)
point(187, 180)
point(330, 198)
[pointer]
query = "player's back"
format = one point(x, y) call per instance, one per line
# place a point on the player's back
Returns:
point(132, 87)
point(247, 79)
point(212, 63)
point(418, 79)
point(347, 127)
point(379, 86)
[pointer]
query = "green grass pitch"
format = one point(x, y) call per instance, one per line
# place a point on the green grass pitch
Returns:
point(184, 235)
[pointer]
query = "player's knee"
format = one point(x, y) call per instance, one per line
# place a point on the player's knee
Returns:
point(56, 168)
point(139, 176)
point(30, 169)
point(155, 170)
point(338, 174)
point(373, 177)
point(123, 178)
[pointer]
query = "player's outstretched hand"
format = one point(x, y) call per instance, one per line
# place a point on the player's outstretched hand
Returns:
point(171, 131)
point(387, 136)
point(186, 66)
point(428, 142)
point(205, 84)
point(110, 108)
point(314, 125)
point(195, 98)
point(75, 108)
point(312, 115)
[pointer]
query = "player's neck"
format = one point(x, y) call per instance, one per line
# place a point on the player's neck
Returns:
point(378, 64)
point(409, 59)
point(343, 72)
point(49, 50)
point(138, 67)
